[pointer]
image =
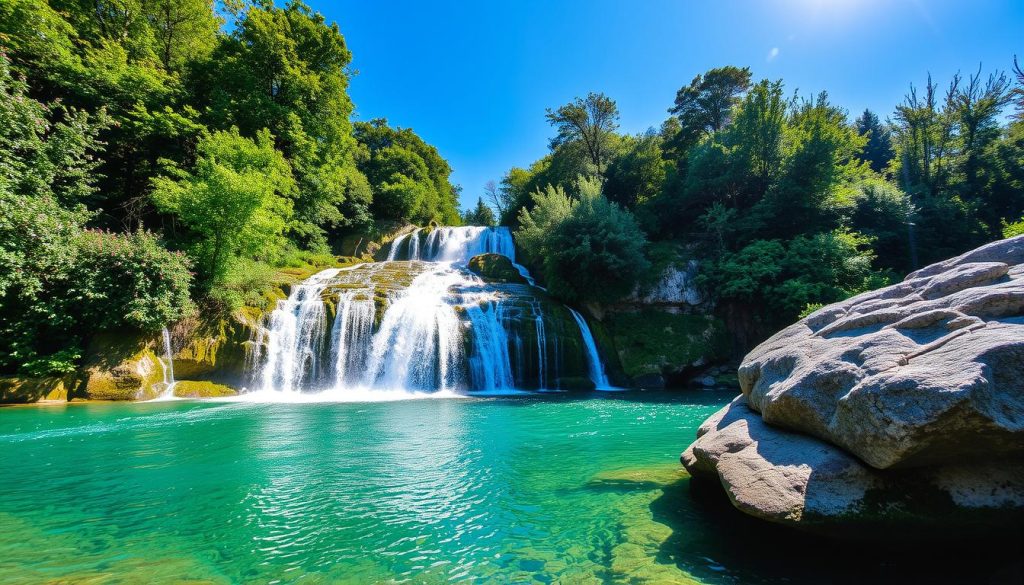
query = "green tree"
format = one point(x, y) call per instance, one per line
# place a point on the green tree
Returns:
point(590, 122)
point(409, 178)
point(286, 69)
point(481, 215)
point(636, 176)
point(706, 105)
point(594, 254)
point(234, 202)
point(550, 207)
point(878, 150)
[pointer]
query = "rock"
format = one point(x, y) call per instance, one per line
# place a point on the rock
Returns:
point(649, 382)
point(707, 381)
point(676, 285)
point(917, 382)
point(574, 383)
point(25, 390)
point(495, 268)
point(655, 342)
point(193, 389)
point(797, 480)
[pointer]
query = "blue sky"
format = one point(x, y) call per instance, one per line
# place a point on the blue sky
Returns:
point(474, 78)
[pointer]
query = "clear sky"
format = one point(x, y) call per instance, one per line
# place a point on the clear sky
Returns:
point(474, 78)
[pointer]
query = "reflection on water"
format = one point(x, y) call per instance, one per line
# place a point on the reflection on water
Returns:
point(476, 490)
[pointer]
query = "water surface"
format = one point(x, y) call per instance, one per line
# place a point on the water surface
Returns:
point(497, 490)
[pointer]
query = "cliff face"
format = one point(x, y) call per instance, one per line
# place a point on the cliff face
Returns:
point(665, 333)
point(901, 405)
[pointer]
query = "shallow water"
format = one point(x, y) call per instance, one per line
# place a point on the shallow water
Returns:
point(483, 490)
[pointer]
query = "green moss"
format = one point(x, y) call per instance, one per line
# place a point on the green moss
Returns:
point(26, 390)
point(495, 268)
point(120, 365)
point(652, 342)
point(197, 389)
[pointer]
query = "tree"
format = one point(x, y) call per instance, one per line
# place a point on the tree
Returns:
point(755, 138)
point(596, 253)
point(588, 121)
point(500, 199)
point(550, 207)
point(286, 69)
point(234, 201)
point(878, 150)
point(637, 175)
point(184, 30)
point(481, 215)
point(705, 106)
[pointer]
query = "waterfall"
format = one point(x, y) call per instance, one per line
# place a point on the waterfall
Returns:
point(597, 374)
point(168, 367)
point(353, 327)
point(421, 322)
point(295, 337)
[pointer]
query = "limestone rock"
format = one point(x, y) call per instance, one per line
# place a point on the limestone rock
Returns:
point(898, 406)
point(193, 389)
point(908, 375)
point(794, 479)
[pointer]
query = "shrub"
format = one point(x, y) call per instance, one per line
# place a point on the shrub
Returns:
point(129, 280)
point(596, 253)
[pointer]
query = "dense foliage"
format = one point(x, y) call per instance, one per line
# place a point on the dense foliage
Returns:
point(786, 202)
point(141, 140)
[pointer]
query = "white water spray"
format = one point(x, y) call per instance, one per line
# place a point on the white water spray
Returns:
point(428, 326)
point(167, 364)
point(597, 373)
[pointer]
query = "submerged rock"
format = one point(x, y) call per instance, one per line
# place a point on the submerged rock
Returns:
point(914, 389)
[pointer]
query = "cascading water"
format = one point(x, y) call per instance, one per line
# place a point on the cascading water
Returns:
point(294, 340)
point(594, 363)
point(167, 364)
point(422, 322)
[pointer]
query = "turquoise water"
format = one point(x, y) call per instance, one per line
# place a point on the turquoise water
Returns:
point(513, 490)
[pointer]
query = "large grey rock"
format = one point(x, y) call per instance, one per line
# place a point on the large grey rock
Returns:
point(919, 384)
point(909, 375)
point(793, 479)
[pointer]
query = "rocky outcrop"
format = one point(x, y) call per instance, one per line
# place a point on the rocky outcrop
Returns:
point(659, 349)
point(25, 390)
point(495, 269)
point(912, 389)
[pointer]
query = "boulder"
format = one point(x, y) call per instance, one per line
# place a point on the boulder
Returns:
point(495, 269)
point(797, 480)
point(25, 390)
point(193, 389)
point(907, 383)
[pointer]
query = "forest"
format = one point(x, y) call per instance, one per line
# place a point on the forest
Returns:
point(786, 201)
point(160, 158)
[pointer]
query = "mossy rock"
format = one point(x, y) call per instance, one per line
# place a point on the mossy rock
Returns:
point(216, 349)
point(650, 341)
point(495, 268)
point(202, 389)
point(575, 384)
point(27, 390)
point(121, 365)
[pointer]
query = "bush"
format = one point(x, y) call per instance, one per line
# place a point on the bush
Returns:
point(596, 253)
point(246, 282)
point(1013, 229)
point(784, 279)
point(129, 280)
